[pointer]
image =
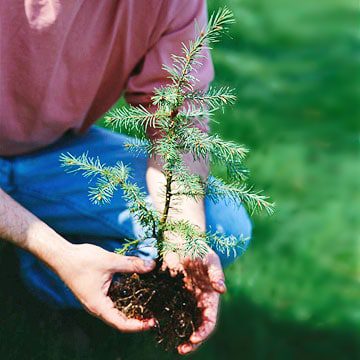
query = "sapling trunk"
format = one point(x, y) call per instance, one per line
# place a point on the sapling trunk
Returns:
point(178, 105)
point(165, 213)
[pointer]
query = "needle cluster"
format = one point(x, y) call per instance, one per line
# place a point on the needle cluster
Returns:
point(177, 105)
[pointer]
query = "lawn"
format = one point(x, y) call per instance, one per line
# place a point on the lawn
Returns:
point(295, 293)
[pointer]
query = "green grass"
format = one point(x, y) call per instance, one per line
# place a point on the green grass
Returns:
point(295, 294)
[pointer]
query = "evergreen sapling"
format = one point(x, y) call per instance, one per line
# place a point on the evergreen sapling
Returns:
point(177, 106)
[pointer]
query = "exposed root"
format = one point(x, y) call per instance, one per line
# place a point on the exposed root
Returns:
point(160, 296)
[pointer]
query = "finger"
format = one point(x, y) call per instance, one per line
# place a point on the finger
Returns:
point(172, 262)
point(216, 274)
point(125, 325)
point(211, 306)
point(131, 264)
point(187, 348)
point(119, 321)
point(163, 266)
point(175, 271)
point(203, 332)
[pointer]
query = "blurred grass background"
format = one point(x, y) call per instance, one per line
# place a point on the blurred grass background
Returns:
point(295, 294)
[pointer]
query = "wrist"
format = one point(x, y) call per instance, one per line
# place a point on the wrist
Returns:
point(48, 246)
point(24, 229)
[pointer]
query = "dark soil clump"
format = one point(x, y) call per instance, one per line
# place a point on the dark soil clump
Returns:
point(160, 296)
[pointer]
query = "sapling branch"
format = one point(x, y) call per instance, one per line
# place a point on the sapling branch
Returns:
point(175, 108)
point(165, 214)
point(128, 245)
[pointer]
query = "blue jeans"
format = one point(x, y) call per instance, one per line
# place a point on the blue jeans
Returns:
point(37, 181)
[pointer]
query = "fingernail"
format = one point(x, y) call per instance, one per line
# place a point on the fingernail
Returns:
point(221, 285)
point(184, 349)
point(194, 338)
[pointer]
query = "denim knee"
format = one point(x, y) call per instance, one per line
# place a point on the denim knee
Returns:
point(228, 219)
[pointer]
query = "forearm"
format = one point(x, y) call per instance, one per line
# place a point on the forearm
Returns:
point(186, 208)
point(23, 229)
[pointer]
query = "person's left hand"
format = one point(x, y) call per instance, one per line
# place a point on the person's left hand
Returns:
point(205, 276)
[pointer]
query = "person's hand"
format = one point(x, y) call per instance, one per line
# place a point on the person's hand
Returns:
point(88, 270)
point(206, 278)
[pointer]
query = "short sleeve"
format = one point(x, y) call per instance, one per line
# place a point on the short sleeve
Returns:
point(177, 25)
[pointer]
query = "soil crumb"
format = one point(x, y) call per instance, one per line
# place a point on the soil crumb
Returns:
point(160, 296)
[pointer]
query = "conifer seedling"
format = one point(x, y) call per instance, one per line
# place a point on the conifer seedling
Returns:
point(178, 105)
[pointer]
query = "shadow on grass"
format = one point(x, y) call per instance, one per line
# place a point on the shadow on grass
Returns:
point(30, 330)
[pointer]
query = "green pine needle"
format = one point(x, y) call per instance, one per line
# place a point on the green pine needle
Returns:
point(176, 108)
point(214, 98)
point(217, 189)
point(228, 245)
point(131, 118)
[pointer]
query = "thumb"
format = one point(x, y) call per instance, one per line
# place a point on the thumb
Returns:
point(131, 264)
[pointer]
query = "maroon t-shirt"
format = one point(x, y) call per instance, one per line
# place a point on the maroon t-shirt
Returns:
point(63, 63)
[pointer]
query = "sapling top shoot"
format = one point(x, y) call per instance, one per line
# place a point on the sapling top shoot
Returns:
point(175, 107)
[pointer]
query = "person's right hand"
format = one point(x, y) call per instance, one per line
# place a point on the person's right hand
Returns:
point(88, 270)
